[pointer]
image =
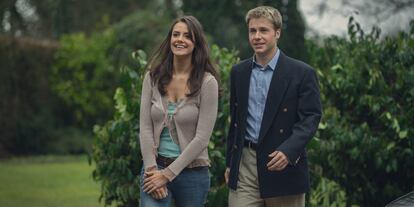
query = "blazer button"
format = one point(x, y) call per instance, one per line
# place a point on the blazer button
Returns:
point(235, 146)
point(297, 160)
point(235, 125)
point(285, 110)
point(235, 104)
point(281, 131)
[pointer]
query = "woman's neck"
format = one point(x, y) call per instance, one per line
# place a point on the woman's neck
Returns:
point(182, 65)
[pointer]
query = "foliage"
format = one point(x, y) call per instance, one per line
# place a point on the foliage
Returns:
point(224, 59)
point(26, 109)
point(142, 29)
point(54, 18)
point(84, 78)
point(116, 147)
point(367, 133)
point(327, 193)
point(84, 74)
point(232, 30)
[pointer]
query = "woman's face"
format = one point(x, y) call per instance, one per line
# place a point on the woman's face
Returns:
point(181, 43)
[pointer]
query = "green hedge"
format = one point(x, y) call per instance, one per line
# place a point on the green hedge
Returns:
point(25, 107)
point(367, 133)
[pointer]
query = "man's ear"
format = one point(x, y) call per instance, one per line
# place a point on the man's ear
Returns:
point(277, 33)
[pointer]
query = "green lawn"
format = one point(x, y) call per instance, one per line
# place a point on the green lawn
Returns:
point(48, 181)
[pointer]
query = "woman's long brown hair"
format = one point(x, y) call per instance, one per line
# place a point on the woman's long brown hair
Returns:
point(161, 64)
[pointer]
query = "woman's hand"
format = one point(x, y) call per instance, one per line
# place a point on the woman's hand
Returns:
point(154, 180)
point(160, 193)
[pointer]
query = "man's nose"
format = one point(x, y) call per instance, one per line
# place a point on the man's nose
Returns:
point(256, 35)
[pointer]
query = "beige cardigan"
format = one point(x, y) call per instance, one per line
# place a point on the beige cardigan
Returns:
point(194, 120)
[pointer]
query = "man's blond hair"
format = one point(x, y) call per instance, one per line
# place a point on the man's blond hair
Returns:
point(267, 12)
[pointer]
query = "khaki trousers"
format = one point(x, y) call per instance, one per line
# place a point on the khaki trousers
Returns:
point(247, 193)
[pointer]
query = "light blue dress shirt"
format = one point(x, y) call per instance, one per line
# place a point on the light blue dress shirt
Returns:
point(259, 86)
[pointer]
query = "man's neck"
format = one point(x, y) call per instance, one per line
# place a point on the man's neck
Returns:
point(264, 59)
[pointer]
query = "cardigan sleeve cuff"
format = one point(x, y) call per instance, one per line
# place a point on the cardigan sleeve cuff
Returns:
point(168, 173)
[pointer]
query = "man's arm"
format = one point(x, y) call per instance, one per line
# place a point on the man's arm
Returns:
point(231, 135)
point(309, 112)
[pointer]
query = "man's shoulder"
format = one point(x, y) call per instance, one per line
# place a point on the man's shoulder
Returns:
point(243, 64)
point(297, 64)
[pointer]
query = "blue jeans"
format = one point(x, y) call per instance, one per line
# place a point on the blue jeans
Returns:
point(189, 189)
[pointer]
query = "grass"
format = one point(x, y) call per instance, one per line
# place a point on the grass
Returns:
point(48, 182)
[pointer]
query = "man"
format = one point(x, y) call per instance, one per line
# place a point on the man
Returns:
point(275, 110)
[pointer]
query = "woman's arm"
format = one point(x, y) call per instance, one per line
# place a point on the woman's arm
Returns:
point(146, 128)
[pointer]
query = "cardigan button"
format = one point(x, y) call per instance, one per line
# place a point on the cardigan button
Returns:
point(285, 110)
point(235, 125)
point(281, 131)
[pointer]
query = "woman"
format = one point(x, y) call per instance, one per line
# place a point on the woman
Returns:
point(178, 110)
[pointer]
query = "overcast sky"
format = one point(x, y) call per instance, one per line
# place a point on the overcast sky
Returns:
point(335, 19)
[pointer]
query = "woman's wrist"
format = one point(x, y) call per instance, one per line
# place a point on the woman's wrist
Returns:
point(152, 168)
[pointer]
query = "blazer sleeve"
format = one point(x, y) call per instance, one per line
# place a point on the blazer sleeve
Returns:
point(146, 128)
point(309, 113)
point(233, 108)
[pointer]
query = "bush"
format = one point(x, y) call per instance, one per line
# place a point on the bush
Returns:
point(85, 72)
point(84, 78)
point(26, 109)
point(367, 133)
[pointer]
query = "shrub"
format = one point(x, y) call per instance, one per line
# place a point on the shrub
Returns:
point(367, 134)
point(26, 109)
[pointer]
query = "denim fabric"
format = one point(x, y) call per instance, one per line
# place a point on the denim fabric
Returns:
point(189, 189)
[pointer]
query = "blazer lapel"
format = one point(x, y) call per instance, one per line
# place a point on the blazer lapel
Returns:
point(243, 92)
point(278, 85)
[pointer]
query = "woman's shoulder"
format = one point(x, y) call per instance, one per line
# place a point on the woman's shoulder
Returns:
point(147, 75)
point(148, 78)
point(209, 83)
point(208, 77)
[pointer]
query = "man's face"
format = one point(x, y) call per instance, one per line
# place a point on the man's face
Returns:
point(262, 36)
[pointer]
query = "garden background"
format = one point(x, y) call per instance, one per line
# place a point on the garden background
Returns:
point(70, 79)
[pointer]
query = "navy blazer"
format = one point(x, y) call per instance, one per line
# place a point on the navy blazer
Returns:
point(290, 119)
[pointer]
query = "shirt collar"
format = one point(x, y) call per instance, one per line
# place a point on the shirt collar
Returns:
point(271, 64)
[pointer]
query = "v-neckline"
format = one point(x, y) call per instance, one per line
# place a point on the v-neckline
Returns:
point(179, 103)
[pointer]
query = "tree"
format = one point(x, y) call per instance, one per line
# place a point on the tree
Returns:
point(52, 18)
point(225, 22)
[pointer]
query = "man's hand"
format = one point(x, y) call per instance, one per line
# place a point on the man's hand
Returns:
point(226, 175)
point(154, 180)
point(278, 162)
